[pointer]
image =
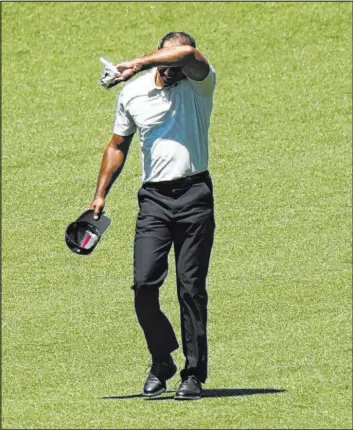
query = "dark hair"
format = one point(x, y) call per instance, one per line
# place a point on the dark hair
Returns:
point(186, 38)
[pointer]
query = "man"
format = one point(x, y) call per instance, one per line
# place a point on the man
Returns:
point(171, 107)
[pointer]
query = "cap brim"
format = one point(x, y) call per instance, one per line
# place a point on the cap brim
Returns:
point(102, 223)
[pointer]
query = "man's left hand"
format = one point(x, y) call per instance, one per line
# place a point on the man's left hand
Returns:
point(127, 69)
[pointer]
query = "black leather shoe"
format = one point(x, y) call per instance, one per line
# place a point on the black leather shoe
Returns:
point(161, 370)
point(190, 389)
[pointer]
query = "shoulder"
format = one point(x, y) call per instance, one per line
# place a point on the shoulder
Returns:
point(140, 85)
point(205, 87)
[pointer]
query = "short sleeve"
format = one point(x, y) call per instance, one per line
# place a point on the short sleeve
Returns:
point(206, 87)
point(124, 124)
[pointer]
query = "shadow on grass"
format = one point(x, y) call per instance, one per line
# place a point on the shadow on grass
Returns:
point(215, 392)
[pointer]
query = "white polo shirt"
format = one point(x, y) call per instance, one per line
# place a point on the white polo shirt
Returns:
point(173, 124)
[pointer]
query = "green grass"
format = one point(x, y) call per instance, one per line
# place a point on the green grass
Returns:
point(280, 277)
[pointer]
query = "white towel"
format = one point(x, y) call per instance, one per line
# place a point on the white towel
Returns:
point(109, 74)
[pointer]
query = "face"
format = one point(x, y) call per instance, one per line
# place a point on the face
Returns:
point(171, 75)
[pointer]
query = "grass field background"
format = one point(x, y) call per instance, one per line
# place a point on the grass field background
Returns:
point(280, 277)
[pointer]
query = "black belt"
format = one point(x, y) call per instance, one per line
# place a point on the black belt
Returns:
point(181, 182)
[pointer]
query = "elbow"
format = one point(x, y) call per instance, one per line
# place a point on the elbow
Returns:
point(116, 141)
point(120, 143)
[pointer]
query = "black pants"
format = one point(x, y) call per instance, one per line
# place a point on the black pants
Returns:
point(178, 212)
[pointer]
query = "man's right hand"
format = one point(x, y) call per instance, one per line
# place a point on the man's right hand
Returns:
point(97, 205)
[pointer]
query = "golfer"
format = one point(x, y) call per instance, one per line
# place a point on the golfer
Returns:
point(170, 106)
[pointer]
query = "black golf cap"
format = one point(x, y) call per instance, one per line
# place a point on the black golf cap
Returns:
point(83, 235)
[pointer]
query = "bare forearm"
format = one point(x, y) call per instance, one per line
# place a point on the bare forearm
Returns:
point(191, 61)
point(113, 160)
point(168, 57)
